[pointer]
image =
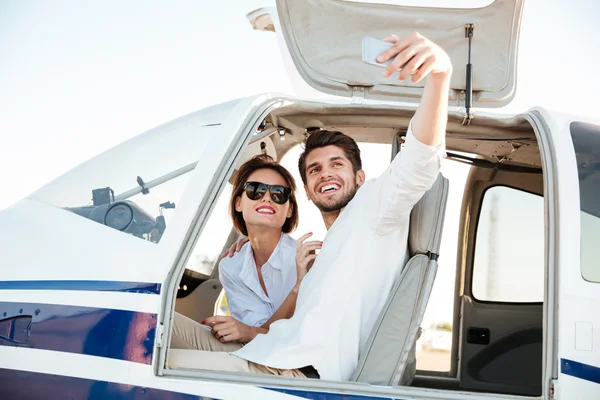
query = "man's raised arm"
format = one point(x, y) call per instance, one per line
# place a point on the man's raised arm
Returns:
point(415, 168)
point(425, 60)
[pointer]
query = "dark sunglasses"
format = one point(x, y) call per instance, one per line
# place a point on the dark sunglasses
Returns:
point(256, 191)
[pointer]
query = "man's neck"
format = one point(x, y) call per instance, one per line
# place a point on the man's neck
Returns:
point(263, 244)
point(330, 217)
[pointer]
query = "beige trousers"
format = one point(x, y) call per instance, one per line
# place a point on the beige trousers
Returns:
point(193, 346)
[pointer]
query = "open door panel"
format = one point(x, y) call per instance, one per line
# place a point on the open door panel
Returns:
point(501, 304)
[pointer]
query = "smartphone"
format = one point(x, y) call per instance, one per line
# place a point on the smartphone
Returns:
point(372, 48)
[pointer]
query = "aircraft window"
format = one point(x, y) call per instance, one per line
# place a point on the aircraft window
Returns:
point(586, 140)
point(509, 249)
point(136, 186)
point(213, 236)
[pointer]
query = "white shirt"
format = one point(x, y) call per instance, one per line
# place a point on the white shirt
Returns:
point(345, 290)
point(246, 298)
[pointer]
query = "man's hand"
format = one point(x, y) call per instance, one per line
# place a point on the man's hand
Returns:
point(305, 255)
point(423, 57)
point(236, 247)
point(229, 329)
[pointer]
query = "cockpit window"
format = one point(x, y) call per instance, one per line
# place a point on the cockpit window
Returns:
point(134, 187)
point(586, 140)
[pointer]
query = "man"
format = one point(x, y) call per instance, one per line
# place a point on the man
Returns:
point(365, 247)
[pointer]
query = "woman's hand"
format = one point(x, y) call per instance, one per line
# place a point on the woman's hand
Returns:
point(305, 255)
point(229, 329)
point(305, 258)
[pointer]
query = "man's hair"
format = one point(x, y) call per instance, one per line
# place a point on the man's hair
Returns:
point(241, 177)
point(330, 138)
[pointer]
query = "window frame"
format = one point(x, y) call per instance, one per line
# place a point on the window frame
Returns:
point(589, 129)
point(472, 258)
point(209, 218)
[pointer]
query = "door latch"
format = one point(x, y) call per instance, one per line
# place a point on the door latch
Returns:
point(478, 336)
point(15, 330)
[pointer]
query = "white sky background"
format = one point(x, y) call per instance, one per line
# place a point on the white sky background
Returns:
point(79, 77)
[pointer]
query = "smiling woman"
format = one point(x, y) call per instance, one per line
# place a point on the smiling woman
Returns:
point(261, 280)
point(254, 179)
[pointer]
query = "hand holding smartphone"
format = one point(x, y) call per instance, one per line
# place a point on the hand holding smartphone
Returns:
point(372, 48)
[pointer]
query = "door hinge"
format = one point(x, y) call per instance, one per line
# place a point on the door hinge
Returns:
point(553, 390)
point(160, 334)
point(469, 28)
point(358, 94)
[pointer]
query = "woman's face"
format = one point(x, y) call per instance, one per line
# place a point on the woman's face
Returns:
point(264, 212)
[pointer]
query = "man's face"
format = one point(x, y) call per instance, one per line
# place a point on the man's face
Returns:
point(330, 179)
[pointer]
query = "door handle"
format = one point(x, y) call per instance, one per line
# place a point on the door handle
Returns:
point(478, 336)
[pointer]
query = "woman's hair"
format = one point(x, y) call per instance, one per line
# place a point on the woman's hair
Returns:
point(241, 177)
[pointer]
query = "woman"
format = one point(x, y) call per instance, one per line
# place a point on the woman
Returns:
point(261, 281)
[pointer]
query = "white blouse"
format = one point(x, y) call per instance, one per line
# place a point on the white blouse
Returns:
point(246, 298)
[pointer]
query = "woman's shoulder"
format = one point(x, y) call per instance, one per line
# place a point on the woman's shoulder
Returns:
point(232, 266)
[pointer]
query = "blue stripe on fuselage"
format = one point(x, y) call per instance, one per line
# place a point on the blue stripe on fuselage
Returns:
point(117, 334)
point(101, 286)
point(26, 385)
point(579, 370)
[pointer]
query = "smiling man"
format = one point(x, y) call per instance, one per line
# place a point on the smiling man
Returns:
point(366, 244)
point(331, 170)
point(365, 247)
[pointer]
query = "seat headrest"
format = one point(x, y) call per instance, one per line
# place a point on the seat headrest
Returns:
point(426, 215)
point(256, 148)
point(264, 145)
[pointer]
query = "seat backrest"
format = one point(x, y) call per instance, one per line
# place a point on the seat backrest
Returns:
point(200, 304)
point(388, 357)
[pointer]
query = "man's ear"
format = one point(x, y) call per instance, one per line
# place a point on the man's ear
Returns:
point(360, 178)
point(238, 204)
point(307, 193)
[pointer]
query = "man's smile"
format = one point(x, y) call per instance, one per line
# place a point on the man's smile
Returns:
point(328, 188)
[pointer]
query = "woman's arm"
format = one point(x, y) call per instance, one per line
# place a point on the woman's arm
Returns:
point(305, 257)
point(228, 329)
point(285, 311)
point(240, 326)
point(244, 304)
